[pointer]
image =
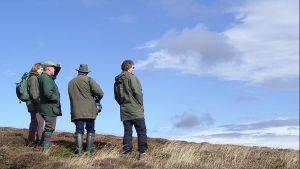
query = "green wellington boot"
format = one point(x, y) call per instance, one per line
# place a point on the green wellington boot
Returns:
point(89, 142)
point(78, 143)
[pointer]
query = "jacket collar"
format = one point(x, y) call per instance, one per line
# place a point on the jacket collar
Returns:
point(127, 73)
point(53, 77)
point(33, 73)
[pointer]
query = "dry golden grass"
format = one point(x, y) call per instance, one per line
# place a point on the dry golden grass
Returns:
point(162, 154)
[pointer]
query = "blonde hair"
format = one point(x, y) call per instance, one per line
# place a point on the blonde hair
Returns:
point(36, 67)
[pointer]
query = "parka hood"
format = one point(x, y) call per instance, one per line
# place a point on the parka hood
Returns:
point(57, 70)
point(121, 77)
point(33, 73)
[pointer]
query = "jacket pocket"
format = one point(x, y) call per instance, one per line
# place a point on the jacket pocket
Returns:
point(56, 110)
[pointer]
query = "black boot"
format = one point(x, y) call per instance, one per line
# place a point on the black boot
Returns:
point(78, 143)
point(89, 142)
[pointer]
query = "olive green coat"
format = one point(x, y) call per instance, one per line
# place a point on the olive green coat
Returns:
point(33, 105)
point(81, 90)
point(128, 93)
point(49, 96)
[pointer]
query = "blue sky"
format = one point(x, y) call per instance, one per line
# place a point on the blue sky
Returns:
point(216, 71)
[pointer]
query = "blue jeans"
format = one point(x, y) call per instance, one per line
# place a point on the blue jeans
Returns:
point(89, 125)
point(141, 131)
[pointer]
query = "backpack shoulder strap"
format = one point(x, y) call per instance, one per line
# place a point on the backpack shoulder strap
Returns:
point(89, 81)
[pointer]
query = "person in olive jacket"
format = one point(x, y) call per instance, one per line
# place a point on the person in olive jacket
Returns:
point(128, 94)
point(33, 105)
point(49, 100)
point(84, 94)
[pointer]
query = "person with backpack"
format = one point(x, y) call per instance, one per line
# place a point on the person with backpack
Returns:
point(84, 93)
point(33, 105)
point(49, 100)
point(128, 94)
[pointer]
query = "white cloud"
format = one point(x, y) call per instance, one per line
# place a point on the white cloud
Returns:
point(271, 135)
point(268, 38)
point(191, 9)
point(194, 51)
point(261, 46)
point(148, 45)
point(163, 129)
point(261, 125)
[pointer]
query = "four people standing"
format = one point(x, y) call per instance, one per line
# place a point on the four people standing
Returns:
point(84, 94)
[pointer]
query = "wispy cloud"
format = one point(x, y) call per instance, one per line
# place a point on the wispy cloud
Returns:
point(163, 129)
point(282, 83)
point(148, 45)
point(125, 19)
point(246, 98)
point(191, 9)
point(189, 120)
point(261, 125)
point(279, 133)
point(256, 49)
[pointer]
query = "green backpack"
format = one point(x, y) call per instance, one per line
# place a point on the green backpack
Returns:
point(22, 88)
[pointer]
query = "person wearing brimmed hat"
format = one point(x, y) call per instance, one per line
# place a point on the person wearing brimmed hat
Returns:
point(84, 94)
point(49, 100)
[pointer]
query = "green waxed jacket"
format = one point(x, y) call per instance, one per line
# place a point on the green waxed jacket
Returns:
point(49, 96)
point(128, 93)
point(33, 105)
point(81, 91)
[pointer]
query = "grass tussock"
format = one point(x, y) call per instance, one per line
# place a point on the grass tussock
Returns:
point(162, 153)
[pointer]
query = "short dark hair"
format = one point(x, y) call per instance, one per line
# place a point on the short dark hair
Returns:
point(127, 64)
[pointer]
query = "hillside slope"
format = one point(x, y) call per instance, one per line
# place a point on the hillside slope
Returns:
point(162, 154)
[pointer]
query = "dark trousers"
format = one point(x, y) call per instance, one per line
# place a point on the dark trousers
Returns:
point(89, 125)
point(36, 126)
point(140, 127)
